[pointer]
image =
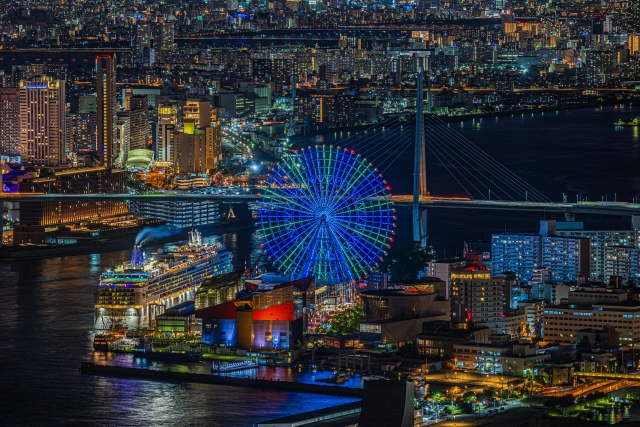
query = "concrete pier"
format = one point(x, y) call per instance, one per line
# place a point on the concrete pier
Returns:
point(148, 374)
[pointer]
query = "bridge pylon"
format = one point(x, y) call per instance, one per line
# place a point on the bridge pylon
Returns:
point(419, 215)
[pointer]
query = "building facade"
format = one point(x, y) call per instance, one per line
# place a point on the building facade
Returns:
point(9, 123)
point(178, 214)
point(107, 107)
point(42, 122)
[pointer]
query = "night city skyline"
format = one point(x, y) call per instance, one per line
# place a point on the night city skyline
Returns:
point(350, 213)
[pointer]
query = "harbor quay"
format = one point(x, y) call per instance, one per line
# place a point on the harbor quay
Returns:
point(148, 374)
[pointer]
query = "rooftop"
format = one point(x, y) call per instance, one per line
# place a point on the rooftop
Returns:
point(392, 293)
point(333, 416)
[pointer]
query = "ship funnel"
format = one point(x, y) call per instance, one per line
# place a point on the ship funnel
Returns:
point(195, 238)
point(137, 256)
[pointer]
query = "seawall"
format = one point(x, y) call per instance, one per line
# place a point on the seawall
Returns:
point(148, 374)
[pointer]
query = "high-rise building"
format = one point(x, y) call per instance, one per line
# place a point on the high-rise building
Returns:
point(9, 123)
point(138, 125)
point(566, 257)
point(123, 137)
point(196, 150)
point(516, 252)
point(198, 111)
point(82, 126)
point(623, 262)
point(634, 42)
point(106, 106)
point(163, 40)
point(601, 240)
point(141, 42)
point(42, 122)
point(478, 299)
point(524, 253)
point(167, 119)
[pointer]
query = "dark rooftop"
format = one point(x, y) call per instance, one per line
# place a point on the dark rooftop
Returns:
point(349, 409)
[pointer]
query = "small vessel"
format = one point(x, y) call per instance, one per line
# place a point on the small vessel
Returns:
point(338, 378)
point(112, 336)
point(632, 122)
point(105, 341)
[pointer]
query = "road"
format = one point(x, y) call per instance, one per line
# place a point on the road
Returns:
point(517, 417)
point(605, 208)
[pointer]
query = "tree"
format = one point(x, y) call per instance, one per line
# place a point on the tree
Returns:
point(346, 322)
point(469, 396)
point(406, 261)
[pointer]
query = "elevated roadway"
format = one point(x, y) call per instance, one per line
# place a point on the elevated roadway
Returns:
point(597, 208)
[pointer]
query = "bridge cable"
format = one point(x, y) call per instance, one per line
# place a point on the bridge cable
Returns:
point(447, 153)
point(496, 172)
point(442, 152)
point(492, 167)
point(499, 169)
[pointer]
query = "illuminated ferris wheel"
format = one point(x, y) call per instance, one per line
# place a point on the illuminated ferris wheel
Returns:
point(325, 212)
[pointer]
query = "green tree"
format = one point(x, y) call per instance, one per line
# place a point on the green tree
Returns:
point(346, 322)
point(404, 262)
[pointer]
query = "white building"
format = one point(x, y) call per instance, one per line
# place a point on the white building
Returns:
point(600, 241)
point(178, 214)
point(516, 252)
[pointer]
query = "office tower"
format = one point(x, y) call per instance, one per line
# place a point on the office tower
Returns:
point(9, 123)
point(167, 119)
point(127, 93)
point(42, 122)
point(634, 43)
point(106, 106)
point(19, 73)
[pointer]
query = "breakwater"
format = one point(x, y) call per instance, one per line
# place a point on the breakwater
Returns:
point(148, 374)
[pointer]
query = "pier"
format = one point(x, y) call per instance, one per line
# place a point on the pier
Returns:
point(148, 374)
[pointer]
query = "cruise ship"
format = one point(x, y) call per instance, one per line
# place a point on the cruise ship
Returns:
point(142, 288)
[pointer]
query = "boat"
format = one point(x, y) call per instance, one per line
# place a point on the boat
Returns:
point(105, 341)
point(338, 378)
point(143, 287)
point(632, 122)
point(111, 335)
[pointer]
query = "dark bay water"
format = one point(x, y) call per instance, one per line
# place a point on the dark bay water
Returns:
point(47, 310)
point(572, 152)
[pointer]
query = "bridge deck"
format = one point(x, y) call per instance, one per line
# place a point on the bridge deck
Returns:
point(604, 208)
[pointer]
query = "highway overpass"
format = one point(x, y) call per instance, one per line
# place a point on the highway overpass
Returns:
point(597, 208)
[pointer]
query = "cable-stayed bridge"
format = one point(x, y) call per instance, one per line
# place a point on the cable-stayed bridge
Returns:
point(604, 208)
point(485, 182)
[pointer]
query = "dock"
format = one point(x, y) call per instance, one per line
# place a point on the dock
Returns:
point(149, 374)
